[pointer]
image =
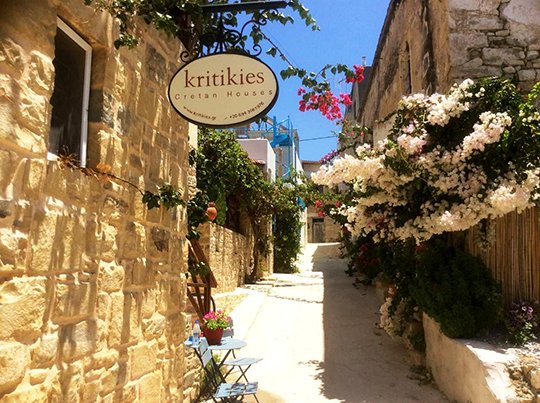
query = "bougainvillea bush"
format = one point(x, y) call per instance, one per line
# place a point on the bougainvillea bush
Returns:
point(449, 162)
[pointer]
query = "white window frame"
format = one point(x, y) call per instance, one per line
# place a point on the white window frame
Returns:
point(86, 88)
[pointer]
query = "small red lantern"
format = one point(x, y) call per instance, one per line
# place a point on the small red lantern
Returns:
point(211, 211)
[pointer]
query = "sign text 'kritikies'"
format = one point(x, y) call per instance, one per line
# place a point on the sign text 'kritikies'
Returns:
point(223, 90)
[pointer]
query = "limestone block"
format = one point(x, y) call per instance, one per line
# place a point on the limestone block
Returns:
point(13, 247)
point(22, 306)
point(111, 277)
point(146, 103)
point(28, 394)
point(18, 134)
point(33, 178)
point(509, 70)
point(8, 165)
point(6, 209)
point(78, 340)
point(11, 54)
point(156, 66)
point(473, 64)
point(33, 111)
point(532, 54)
point(71, 382)
point(53, 230)
point(101, 107)
point(461, 42)
point(527, 75)
point(522, 20)
point(40, 74)
point(38, 376)
point(103, 359)
point(155, 326)
point(148, 304)
point(500, 56)
point(150, 388)
point(103, 306)
point(142, 273)
point(74, 301)
point(483, 71)
point(109, 380)
point(108, 398)
point(486, 22)
point(142, 359)
point(486, 6)
point(160, 239)
point(90, 392)
point(496, 41)
point(128, 394)
point(133, 240)
point(43, 240)
point(13, 362)
point(125, 323)
point(44, 352)
point(534, 377)
point(170, 297)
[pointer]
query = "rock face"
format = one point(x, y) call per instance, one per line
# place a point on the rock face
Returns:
point(92, 303)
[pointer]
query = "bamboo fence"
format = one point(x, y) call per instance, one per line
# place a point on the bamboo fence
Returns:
point(514, 255)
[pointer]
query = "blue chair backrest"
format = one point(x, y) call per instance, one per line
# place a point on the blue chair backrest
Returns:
point(204, 351)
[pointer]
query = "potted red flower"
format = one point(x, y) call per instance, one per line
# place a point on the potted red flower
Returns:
point(215, 322)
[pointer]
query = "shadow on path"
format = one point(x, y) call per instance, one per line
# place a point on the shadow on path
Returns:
point(361, 363)
point(319, 340)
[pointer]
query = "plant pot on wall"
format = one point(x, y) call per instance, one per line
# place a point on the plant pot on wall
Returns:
point(211, 211)
point(213, 336)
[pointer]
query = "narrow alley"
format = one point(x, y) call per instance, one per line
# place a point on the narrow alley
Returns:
point(319, 340)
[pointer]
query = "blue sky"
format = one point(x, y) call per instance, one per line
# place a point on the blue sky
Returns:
point(349, 30)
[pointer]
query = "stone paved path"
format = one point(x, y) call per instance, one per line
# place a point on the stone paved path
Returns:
point(318, 337)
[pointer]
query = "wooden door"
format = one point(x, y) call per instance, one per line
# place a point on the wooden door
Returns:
point(318, 230)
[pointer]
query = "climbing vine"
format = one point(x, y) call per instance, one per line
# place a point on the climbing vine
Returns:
point(226, 174)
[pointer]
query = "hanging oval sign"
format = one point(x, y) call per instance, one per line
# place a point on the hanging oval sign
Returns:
point(223, 90)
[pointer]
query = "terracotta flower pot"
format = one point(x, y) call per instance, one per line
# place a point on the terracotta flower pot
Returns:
point(211, 211)
point(213, 336)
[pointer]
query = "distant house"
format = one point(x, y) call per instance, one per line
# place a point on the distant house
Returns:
point(320, 228)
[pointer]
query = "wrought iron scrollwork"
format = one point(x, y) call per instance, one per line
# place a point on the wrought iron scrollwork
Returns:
point(220, 38)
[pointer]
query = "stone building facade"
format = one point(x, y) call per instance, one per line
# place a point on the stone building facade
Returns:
point(92, 284)
point(426, 45)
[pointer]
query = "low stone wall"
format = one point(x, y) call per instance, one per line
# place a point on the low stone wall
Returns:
point(229, 255)
point(466, 370)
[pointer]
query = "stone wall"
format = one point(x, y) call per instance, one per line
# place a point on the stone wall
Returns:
point(426, 46)
point(92, 292)
point(495, 37)
point(412, 56)
point(229, 255)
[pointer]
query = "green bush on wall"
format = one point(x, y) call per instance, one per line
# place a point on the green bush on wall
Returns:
point(457, 290)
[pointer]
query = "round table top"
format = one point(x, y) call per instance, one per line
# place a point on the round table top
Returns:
point(228, 343)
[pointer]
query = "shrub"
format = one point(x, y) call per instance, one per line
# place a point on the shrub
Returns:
point(523, 322)
point(456, 289)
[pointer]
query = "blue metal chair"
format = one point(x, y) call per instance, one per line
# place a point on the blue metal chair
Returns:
point(223, 391)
